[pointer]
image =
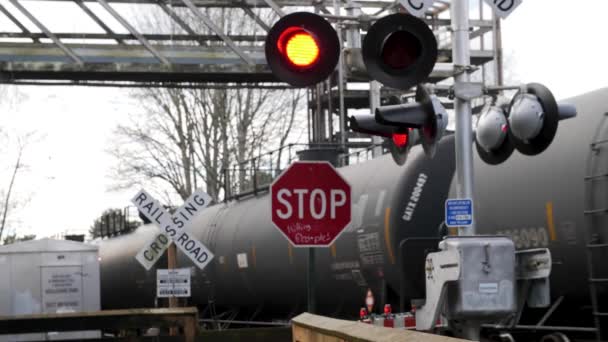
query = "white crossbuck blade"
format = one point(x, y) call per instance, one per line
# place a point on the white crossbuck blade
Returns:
point(416, 8)
point(503, 8)
point(173, 228)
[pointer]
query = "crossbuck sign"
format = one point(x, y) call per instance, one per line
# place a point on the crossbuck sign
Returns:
point(173, 228)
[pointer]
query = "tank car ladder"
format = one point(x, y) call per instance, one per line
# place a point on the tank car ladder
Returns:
point(596, 227)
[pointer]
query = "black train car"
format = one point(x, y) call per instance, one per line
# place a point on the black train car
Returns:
point(550, 200)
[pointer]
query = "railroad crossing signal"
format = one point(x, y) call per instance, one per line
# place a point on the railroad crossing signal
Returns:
point(311, 204)
point(302, 49)
point(400, 51)
point(173, 228)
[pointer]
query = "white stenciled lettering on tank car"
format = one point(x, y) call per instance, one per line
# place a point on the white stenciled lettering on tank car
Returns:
point(415, 197)
point(524, 238)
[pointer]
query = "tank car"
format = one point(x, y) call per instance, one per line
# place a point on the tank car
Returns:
point(550, 200)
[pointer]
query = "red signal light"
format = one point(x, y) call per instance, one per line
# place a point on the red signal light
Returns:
point(299, 47)
point(400, 139)
point(302, 49)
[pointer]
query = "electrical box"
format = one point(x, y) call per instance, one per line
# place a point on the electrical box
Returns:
point(486, 285)
point(49, 276)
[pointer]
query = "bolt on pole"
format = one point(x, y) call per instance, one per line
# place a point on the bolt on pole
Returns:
point(464, 131)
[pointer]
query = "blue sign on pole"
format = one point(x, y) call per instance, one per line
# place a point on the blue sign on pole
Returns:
point(459, 212)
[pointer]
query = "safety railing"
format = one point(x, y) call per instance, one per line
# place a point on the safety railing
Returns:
point(255, 175)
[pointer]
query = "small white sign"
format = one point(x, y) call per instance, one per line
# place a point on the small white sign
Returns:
point(174, 226)
point(416, 8)
point(61, 289)
point(503, 8)
point(173, 283)
point(241, 260)
point(488, 288)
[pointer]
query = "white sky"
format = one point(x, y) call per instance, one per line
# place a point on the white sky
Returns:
point(558, 43)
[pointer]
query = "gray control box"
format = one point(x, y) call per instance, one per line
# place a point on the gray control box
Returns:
point(486, 286)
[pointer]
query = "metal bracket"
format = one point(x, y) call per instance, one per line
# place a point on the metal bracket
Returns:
point(468, 90)
point(460, 69)
point(534, 266)
point(441, 268)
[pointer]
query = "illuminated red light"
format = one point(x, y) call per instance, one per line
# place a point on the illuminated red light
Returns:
point(400, 139)
point(299, 47)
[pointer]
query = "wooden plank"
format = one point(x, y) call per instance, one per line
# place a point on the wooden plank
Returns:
point(98, 320)
point(312, 328)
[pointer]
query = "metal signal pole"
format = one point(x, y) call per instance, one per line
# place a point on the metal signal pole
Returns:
point(461, 56)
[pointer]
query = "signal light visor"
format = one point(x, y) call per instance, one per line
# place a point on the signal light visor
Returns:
point(299, 47)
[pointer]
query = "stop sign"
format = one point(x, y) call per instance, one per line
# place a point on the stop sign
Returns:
point(311, 204)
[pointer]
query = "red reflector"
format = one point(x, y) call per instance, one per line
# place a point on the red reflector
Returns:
point(362, 313)
point(409, 321)
point(299, 47)
point(387, 309)
point(400, 139)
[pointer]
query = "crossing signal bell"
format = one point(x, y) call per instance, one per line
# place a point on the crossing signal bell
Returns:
point(492, 139)
point(529, 125)
point(399, 51)
point(302, 49)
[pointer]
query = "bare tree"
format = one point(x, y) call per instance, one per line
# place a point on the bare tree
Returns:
point(185, 138)
point(8, 199)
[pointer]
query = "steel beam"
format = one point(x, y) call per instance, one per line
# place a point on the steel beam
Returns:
point(46, 31)
point(234, 4)
point(133, 31)
point(96, 19)
point(16, 21)
point(171, 13)
point(217, 31)
point(128, 36)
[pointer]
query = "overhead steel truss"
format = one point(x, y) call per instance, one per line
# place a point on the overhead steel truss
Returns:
point(200, 51)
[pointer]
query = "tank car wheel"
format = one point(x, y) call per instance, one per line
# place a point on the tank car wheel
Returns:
point(555, 337)
point(506, 337)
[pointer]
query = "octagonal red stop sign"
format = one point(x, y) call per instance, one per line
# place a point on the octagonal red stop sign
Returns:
point(311, 204)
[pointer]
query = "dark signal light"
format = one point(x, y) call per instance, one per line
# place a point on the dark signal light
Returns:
point(399, 51)
point(302, 49)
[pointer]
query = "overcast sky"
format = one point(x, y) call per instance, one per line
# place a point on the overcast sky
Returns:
point(558, 43)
